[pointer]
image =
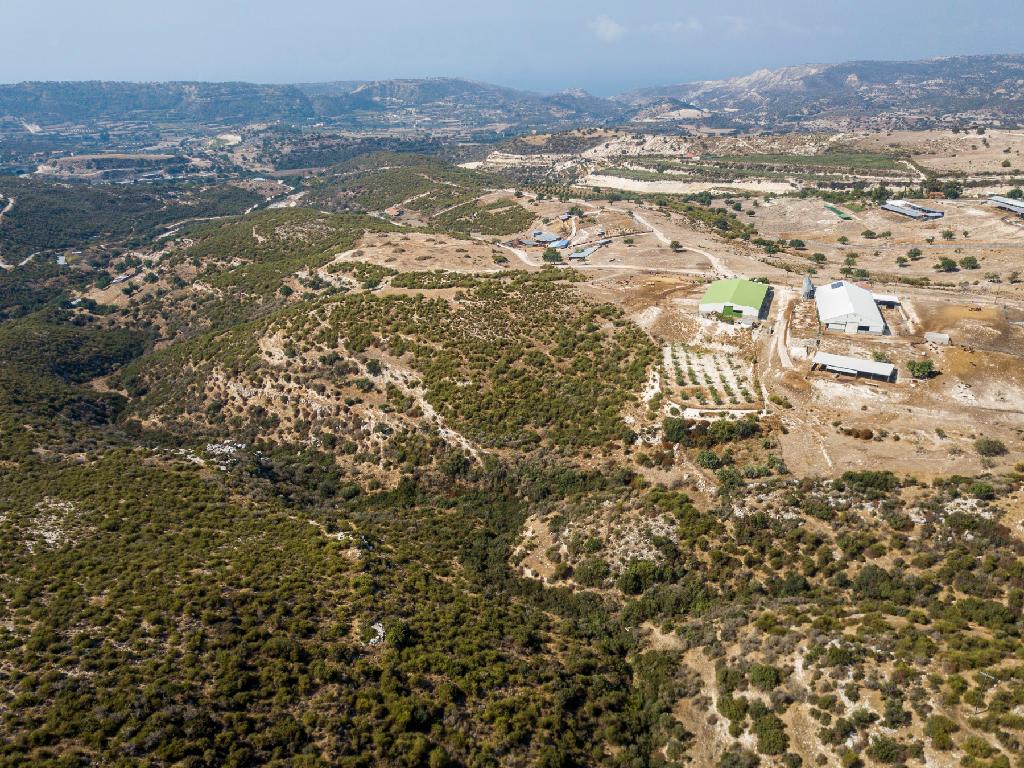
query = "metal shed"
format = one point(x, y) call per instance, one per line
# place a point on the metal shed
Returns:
point(912, 210)
point(1008, 204)
point(854, 366)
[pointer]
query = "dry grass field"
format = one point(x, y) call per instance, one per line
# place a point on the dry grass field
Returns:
point(973, 227)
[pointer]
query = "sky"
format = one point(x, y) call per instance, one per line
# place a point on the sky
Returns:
point(542, 45)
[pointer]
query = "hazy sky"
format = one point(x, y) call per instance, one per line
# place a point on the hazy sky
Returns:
point(599, 45)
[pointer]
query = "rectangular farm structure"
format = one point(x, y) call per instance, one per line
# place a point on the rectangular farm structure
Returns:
point(912, 210)
point(854, 366)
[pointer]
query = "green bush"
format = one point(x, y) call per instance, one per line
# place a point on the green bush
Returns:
point(988, 446)
point(771, 735)
point(764, 676)
point(592, 572)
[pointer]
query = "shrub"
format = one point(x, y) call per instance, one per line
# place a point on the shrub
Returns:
point(771, 735)
point(886, 750)
point(738, 757)
point(921, 369)
point(939, 730)
point(637, 577)
point(592, 572)
point(981, 490)
point(734, 710)
point(764, 676)
point(988, 446)
point(708, 460)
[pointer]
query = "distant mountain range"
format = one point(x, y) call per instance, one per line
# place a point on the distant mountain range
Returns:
point(931, 89)
point(236, 103)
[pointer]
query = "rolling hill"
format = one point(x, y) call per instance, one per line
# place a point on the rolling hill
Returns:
point(933, 87)
point(929, 89)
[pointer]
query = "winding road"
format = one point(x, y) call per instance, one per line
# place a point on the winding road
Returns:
point(7, 209)
point(716, 263)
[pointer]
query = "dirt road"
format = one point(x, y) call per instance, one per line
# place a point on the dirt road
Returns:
point(780, 338)
point(720, 269)
point(657, 232)
point(522, 255)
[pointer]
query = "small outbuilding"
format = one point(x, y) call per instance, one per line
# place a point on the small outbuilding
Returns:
point(843, 306)
point(808, 290)
point(886, 299)
point(734, 298)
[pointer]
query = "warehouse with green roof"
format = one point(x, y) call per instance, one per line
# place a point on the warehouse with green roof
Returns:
point(738, 299)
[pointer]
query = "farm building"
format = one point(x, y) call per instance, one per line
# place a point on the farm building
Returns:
point(739, 299)
point(1008, 204)
point(912, 210)
point(846, 307)
point(583, 253)
point(544, 237)
point(853, 366)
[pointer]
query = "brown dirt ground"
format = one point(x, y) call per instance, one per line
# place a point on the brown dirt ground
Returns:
point(995, 240)
point(416, 252)
point(945, 151)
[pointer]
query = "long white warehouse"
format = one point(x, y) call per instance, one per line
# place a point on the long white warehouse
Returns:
point(854, 366)
point(846, 307)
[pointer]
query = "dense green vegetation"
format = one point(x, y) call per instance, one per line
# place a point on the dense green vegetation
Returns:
point(283, 508)
point(51, 215)
point(833, 160)
point(253, 255)
point(442, 194)
point(501, 381)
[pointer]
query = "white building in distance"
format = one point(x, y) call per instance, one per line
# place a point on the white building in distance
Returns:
point(846, 307)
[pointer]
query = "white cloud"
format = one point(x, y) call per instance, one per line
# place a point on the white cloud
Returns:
point(690, 26)
point(606, 28)
point(737, 26)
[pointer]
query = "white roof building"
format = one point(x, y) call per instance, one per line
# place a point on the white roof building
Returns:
point(846, 307)
point(1008, 203)
point(854, 366)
